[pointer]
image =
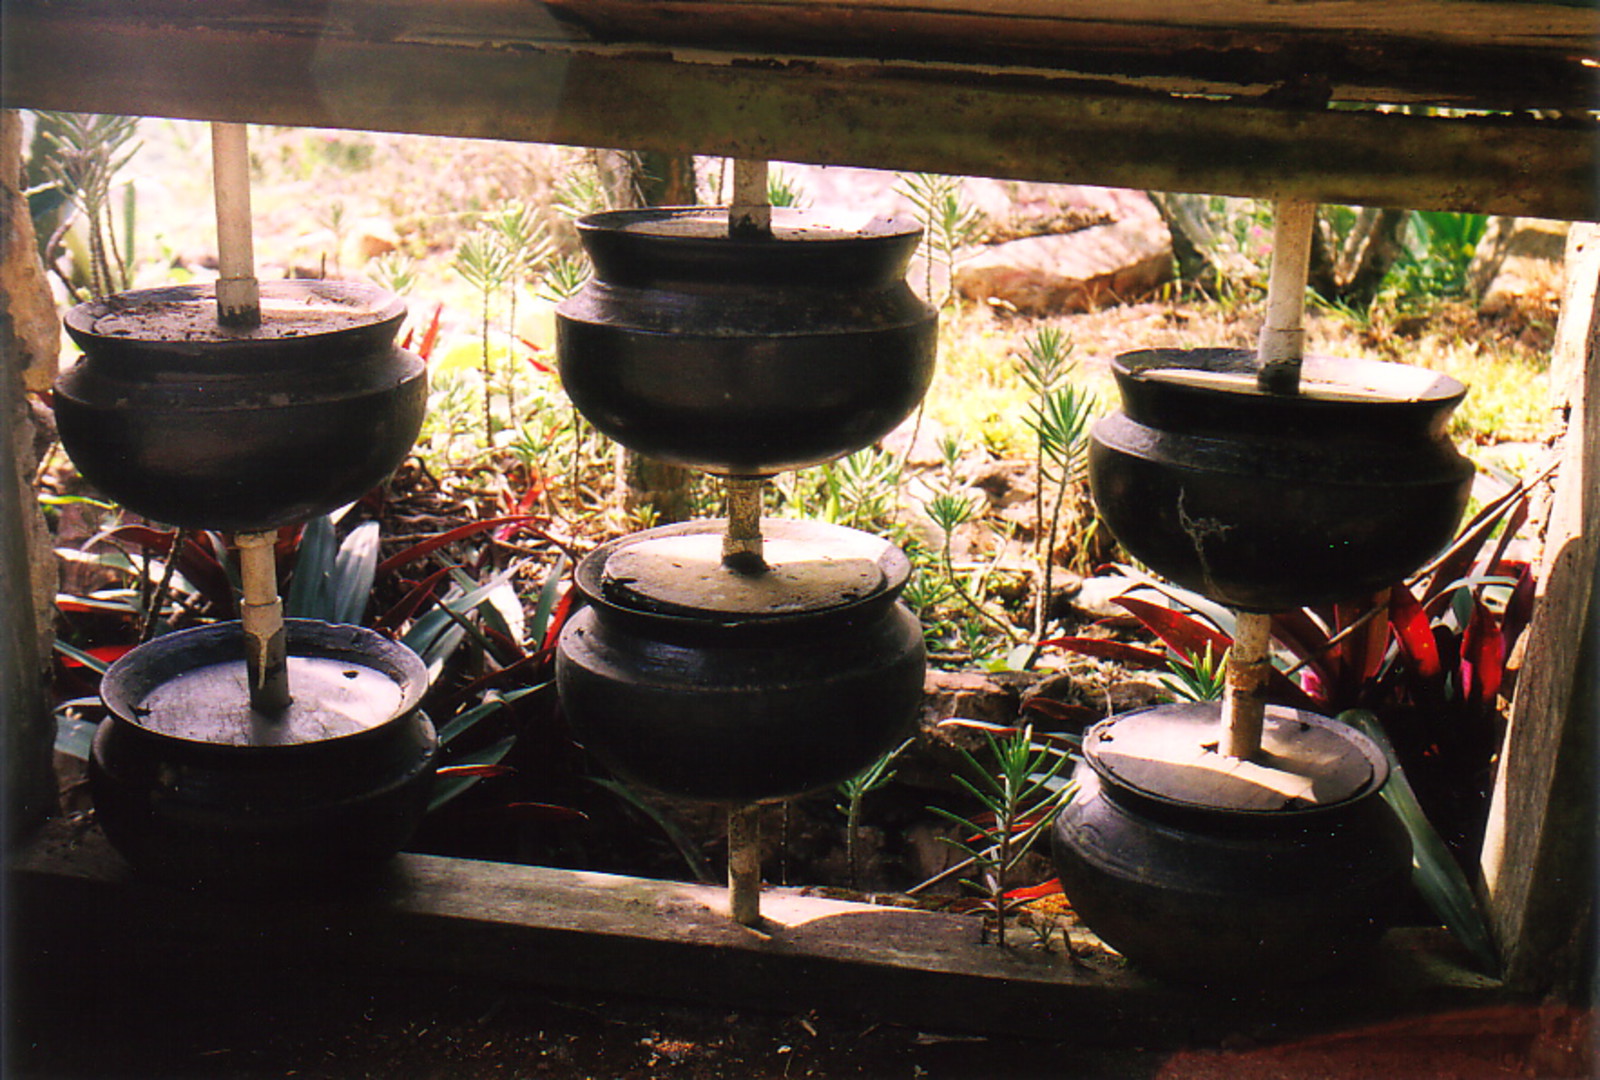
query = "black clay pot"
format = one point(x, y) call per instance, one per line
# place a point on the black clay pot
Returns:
point(695, 692)
point(192, 787)
point(745, 356)
point(1267, 502)
point(1230, 887)
point(192, 425)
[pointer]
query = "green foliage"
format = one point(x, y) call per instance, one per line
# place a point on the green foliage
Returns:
point(563, 277)
point(394, 271)
point(1059, 413)
point(785, 190)
point(1020, 793)
point(1438, 253)
point(1199, 676)
point(857, 491)
point(950, 222)
point(854, 790)
point(1437, 876)
point(82, 155)
point(949, 506)
point(581, 191)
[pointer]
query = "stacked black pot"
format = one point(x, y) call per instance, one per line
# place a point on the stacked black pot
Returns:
point(1285, 866)
point(743, 660)
point(191, 423)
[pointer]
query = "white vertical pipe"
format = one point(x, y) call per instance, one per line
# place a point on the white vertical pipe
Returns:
point(1283, 338)
point(238, 295)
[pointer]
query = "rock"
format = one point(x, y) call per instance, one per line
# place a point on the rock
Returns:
point(1130, 694)
point(374, 237)
point(1005, 483)
point(924, 452)
point(969, 695)
point(1519, 262)
point(1095, 595)
point(1076, 272)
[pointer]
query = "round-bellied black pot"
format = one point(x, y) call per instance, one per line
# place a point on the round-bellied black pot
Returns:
point(194, 425)
point(194, 789)
point(745, 355)
point(1267, 501)
point(1288, 891)
point(740, 708)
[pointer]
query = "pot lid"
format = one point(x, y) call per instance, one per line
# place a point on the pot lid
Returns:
point(811, 568)
point(290, 310)
point(1170, 753)
point(333, 697)
point(192, 685)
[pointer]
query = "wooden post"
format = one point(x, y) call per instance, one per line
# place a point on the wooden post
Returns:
point(1283, 337)
point(741, 544)
point(261, 614)
point(1244, 703)
point(1538, 861)
point(238, 296)
point(744, 864)
point(749, 213)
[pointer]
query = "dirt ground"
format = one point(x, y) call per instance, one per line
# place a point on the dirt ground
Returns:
point(120, 1026)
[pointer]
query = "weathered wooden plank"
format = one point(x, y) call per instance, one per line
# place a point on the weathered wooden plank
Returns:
point(1539, 854)
point(1439, 52)
point(839, 111)
point(72, 900)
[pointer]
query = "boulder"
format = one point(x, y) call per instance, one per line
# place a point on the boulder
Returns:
point(1074, 272)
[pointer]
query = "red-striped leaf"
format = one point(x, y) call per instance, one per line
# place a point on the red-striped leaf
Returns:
point(1035, 892)
point(1183, 634)
point(1519, 608)
point(1107, 649)
point(107, 654)
point(430, 336)
point(434, 543)
point(1483, 656)
point(1060, 711)
point(558, 619)
point(539, 813)
point(447, 771)
point(1299, 632)
point(413, 600)
point(1413, 633)
point(535, 351)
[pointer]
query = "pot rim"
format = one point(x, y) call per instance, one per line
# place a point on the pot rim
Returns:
point(375, 312)
point(1408, 385)
point(676, 224)
point(1122, 790)
point(893, 563)
point(130, 678)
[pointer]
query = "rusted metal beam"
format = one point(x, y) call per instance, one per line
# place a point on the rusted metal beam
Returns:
point(489, 72)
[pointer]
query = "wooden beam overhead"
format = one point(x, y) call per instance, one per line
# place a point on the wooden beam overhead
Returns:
point(932, 86)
